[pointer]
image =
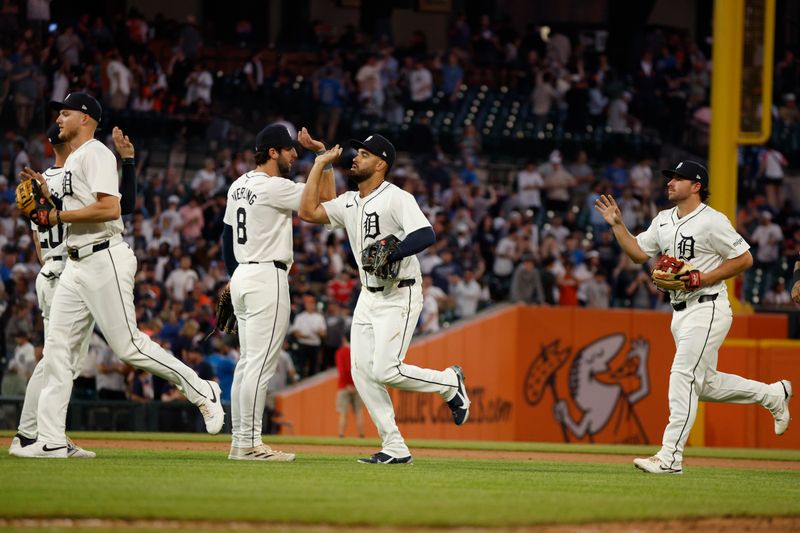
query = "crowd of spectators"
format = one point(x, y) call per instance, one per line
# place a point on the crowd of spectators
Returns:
point(529, 236)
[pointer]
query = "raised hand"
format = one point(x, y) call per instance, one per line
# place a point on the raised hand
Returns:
point(123, 143)
point(308, 142)
point(609, 209)
point(329, 156)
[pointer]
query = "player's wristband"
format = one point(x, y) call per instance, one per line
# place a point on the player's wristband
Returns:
point(128, 161)
point(329, 166)
point(58, 217)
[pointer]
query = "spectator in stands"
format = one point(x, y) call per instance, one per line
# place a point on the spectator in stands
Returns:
point(557, 183)
point(193, 357)
point(788, 112)
point(635, 288)
point(542, 99)
point(778, 295)
point(182, 280)
point(337, 324)
point(198, 85)
point(617, 176)
point(191, 40)
point(347, 398)
point(557, 230)
point(69, 46)
point(469, 145)
point(597, 291)
point(140, 386)
point(370, 88)
point(330, 93)
point(431, 298)
point(767, 237)
point(120, 81)
point(526, 283)
point(308, 329)
point(642, 180)
point(584, 177)
point(20, 366)
point(253, 77)
point(467, 293)
point(567, 285)
point(619, 118)
point(420, 84)
point(529, 185)
point(26, 78)
point(771, 165)
point(191, 215)
point(452, 78)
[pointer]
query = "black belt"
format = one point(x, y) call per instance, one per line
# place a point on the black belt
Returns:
point(56, 258)
point(74, 253)
point(704, 298)
point(278, 264)
point(403, 283)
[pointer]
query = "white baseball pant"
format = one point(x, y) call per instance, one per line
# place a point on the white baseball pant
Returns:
point(46, 283)
point(260, 296)
point(699, 331)
point(100, 285)
point(383, 324)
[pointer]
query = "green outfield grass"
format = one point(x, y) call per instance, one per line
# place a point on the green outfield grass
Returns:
point(334, 489)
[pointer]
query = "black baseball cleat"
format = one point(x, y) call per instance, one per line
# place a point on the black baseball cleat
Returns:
point(459, 404)
point(381, 458)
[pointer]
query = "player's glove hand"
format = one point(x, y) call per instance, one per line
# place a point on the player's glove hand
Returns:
point(375, 258)
point(34, 203)
point(226, 319)
point(672, 274)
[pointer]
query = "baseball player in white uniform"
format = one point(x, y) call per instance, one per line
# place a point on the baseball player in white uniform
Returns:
point(96, 285)
point(51, 251)
point(694, 232)
point(387, 310)
point(258, 234)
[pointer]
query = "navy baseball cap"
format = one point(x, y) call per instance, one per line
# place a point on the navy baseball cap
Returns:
point(52, 135)
point(83, 102)
point(378, 145)
point(690, 170)
point(274, 136)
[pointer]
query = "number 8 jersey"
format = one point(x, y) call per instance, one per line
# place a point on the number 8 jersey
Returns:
point(52, 238)
point(259, 209)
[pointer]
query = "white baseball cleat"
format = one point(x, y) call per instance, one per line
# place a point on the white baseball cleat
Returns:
point(41, 450)
point(781, 413)
point(212, 410)
point(654, 465)
point(76, 452)
point(262, 452)
point(18, 442)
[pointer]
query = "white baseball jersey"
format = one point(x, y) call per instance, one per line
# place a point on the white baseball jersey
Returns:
point(388, 210)
point(89, 170)
point(52, 239)
point(258, 200)
point(704, 237)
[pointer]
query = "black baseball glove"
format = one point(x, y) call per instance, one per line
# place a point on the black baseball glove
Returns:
point(226, 319)
point(375, 258)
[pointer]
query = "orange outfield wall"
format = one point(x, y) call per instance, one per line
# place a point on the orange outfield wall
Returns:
point(568, 375)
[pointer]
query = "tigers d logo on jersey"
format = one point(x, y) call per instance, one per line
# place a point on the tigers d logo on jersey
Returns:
point(686, 248)
point(371, 225)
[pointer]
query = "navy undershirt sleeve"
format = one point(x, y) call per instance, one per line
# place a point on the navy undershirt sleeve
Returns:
point(414, 243)
point(227, 249)
point(128, 188)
